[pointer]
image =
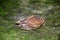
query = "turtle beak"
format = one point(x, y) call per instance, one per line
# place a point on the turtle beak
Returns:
point(18, 22)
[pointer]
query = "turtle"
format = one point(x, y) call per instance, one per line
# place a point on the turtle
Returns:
point(30, 22)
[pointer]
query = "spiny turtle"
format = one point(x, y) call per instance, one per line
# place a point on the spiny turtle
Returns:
point(30, 22)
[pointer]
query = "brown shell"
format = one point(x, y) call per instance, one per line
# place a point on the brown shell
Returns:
point(30, 22)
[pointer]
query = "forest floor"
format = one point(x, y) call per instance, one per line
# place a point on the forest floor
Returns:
point(49, 31)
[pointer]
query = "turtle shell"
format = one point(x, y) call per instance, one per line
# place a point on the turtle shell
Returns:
point(30, 22)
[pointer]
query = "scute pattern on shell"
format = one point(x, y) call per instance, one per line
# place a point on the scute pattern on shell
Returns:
point(30, 22)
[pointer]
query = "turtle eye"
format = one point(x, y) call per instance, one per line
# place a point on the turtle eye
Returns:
point(17, 23)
